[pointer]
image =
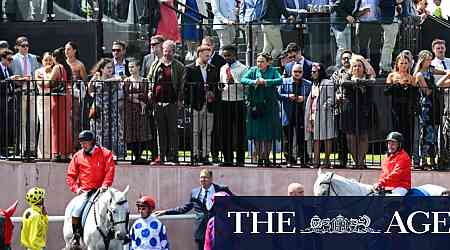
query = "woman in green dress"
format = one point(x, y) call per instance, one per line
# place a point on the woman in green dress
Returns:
point(263, 123)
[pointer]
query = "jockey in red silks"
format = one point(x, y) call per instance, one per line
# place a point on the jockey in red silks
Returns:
point(395, 168)
point(91, 168)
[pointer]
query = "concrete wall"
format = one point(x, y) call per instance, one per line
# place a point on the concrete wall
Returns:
point(169, 185)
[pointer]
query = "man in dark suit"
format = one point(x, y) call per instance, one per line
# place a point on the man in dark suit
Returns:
point(120, 64)
point(218, 61)
point(294, 52)
point(6, 89)
point(202, 93)
point(200, 201)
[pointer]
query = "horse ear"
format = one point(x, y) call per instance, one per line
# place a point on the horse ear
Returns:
point(126, 190)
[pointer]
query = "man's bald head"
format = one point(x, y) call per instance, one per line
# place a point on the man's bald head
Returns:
point(296, 189)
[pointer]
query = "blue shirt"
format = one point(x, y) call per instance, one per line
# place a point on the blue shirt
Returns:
point(374, 13)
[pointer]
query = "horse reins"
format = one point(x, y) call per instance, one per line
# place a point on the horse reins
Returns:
point(109, 235)
point(330, 185)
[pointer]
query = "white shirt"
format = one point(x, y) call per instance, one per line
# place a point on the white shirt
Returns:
point(233, 92)
point(203, 70)
point(119, 67)
point(209, 196)
point(4, 70)
point(437, 63)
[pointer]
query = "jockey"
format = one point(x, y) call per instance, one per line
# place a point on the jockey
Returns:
point(148, 232)
point(91, 168)
point(395, 168)
point(34, 221)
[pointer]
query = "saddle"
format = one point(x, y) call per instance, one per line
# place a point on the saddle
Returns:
point(92, 197)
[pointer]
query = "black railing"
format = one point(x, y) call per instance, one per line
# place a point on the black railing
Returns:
point(350, 121)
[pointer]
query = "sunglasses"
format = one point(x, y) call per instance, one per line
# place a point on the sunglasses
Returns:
point(24, 45)
point(9, 59)
point(154, 44)
point(346, 58)
point(116, 50)
point(297, 71)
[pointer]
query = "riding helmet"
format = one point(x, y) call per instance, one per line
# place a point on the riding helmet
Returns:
point(395, 136)
point(86, 135)
point(35, 195)
point(146, 201)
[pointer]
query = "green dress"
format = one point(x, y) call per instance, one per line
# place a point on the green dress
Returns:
point(267, 126)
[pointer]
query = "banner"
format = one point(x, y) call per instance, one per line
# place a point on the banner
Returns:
point(313, 223)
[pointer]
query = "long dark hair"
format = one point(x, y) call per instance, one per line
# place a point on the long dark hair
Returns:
point(322, 73)
point(60, 58)
point(75, 47)
point(100, 65)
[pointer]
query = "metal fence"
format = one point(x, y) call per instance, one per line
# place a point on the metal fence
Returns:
point(269, 127)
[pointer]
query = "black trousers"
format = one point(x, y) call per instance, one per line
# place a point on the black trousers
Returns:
point(296, 126)
point(234, 113)
point(200, 244)
point(370, 42)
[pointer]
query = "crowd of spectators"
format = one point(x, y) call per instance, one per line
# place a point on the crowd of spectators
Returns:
point(301, 104)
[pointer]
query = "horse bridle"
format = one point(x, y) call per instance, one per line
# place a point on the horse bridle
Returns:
point(109, 235)
point(330, 185)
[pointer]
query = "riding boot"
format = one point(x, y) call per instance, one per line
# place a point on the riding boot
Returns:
point(76, 231)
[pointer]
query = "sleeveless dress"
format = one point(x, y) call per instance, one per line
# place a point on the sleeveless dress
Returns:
point(61, 119)
point(428, 118)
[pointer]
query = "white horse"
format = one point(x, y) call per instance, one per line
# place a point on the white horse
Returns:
point(331, 184)
point(106, 225)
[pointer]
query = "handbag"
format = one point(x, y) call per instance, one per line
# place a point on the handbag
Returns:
point(60, 88)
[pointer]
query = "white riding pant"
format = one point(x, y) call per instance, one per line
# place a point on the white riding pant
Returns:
point(79, 203)
point(398, 191)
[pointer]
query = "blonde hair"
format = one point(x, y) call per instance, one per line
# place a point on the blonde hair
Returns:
point(398, 58)
point(423, 55)
point(206, 172)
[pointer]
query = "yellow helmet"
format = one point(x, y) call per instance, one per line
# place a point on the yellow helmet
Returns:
point(35, 195)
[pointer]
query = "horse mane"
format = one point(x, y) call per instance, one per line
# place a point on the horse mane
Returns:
point(342, 185)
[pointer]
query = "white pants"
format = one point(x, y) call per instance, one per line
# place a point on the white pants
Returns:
point(272, 39)
point(226, 35)
point(79, 203)
point(343, 42)
point(390, 32)
point(32, 121)
point(43, 112)
point(398, 191)
point(203, 122)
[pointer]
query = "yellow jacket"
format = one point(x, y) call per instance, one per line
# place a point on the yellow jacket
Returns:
point(34, 228)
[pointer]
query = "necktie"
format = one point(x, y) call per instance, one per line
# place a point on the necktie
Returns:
point(5, 72)
point(205, 197)
point(25, 66)
point(443, 64)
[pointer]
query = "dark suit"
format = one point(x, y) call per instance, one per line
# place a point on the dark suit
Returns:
point(146, 63)
point(195, 89)
point(218, 61)
point(202, 214)
point(6, 124)
point(307, 67)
